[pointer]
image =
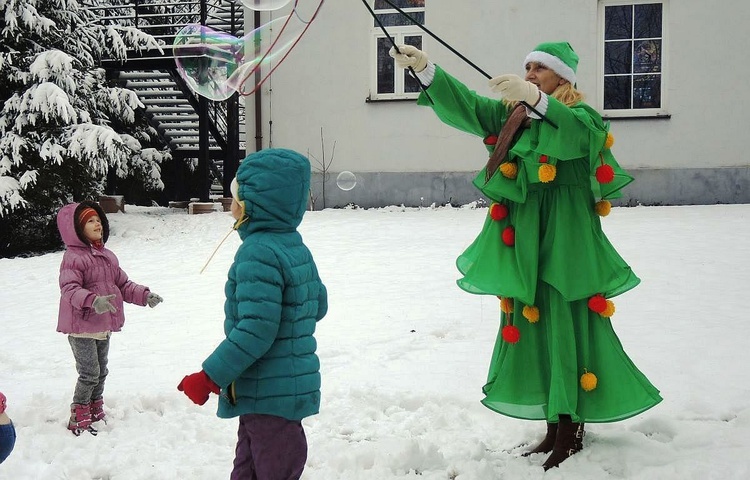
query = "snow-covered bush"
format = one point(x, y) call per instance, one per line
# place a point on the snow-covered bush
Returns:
point(63, 126)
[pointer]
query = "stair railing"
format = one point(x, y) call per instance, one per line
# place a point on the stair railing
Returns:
point(163, 19)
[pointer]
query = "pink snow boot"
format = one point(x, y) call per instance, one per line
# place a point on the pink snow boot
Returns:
point(97, 410)
point(80, 419)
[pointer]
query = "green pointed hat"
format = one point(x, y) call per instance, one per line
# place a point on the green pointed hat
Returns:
point(559, 56)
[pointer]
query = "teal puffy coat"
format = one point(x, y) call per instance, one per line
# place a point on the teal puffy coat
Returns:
point(274, 297)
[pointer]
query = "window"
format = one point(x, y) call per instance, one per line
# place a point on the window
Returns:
point(389, 82)
point(632, 60)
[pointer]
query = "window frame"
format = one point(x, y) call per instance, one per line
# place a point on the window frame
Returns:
point(659, 112)
point(397, 33)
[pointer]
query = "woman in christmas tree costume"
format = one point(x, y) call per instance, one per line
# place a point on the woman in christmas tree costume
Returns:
point(542, 249)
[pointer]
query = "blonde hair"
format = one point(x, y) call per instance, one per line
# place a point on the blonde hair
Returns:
point(566, 94)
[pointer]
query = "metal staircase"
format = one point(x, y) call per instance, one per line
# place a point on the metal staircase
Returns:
point(206, 137)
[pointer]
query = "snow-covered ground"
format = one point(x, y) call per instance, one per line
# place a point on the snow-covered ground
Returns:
point(404, 354)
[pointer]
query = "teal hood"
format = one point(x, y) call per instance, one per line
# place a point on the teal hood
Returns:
point(274, 185)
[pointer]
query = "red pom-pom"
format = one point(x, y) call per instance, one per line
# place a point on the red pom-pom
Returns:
point(509, 236)
point(498, 211)
point(511, 334)
point(490, 140)
point(597, 303)
point(605, 174)
point(543, 159)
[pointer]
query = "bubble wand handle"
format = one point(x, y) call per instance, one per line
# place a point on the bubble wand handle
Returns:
point(459, 55)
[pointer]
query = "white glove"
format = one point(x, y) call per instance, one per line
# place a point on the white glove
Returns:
point(153, 299)
point(104, 304)
point(409, 57)
point(515, 89)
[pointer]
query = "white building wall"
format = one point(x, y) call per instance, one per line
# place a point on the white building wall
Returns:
point(706, 92)
point(694, 156)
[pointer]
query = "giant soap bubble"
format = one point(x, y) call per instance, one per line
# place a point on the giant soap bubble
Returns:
point(215, 64)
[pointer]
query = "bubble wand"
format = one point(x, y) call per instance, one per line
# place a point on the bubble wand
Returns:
point(457, 53)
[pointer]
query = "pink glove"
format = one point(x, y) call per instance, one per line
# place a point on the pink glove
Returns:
point(197, 386)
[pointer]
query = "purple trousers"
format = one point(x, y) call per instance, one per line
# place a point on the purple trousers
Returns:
point(269, 448)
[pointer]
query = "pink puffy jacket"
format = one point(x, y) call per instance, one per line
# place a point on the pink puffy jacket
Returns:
point(87, 272)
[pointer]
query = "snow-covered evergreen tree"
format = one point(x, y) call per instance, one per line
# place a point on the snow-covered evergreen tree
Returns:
point(63, 126)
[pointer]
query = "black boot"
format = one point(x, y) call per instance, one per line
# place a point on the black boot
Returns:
point(568, 442)
point(546, 445)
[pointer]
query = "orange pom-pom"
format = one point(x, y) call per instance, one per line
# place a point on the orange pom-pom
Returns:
point(609, 141)
point(588, 381)
point(609, 310)
point(498, 211)
point(547, 172)
point(506, 304)
point(531, 313)
point(509, 236)
point(605, 174)
point(509, 170)
point(603, 207)
point(511, 334)
point(597, 303)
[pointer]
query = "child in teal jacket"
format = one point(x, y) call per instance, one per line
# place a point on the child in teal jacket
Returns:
point(266, 370)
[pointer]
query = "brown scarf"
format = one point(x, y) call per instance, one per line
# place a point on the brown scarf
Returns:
point(516, 120)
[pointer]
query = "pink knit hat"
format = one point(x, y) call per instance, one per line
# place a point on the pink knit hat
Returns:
point(85, 215)
point(3, 403)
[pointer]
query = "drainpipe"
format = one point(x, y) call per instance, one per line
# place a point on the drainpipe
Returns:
point(257, 95)
point(232, 154)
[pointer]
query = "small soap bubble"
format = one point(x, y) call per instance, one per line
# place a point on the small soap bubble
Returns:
point(346, 180)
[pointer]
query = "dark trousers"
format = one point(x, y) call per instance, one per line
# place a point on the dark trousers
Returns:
point(7, 440)
point(269, 448)
point(91, 364)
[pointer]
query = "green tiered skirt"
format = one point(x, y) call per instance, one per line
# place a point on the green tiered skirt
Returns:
point(559, 260)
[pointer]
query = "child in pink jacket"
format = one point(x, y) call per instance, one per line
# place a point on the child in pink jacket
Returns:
point(93, 288)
